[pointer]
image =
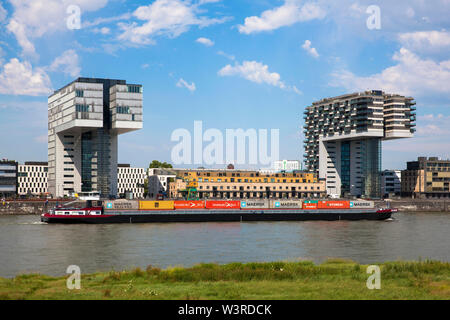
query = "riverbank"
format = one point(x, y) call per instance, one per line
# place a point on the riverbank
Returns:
point(334, 279)
point(28, 207)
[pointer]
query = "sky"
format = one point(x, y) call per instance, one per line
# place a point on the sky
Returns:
point(230, 64)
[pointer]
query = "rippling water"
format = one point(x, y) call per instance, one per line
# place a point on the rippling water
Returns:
point(26, 245)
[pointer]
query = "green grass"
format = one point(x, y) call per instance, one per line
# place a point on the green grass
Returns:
point(334, 279)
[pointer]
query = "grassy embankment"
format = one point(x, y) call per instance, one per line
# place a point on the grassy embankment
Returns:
point(334, 279)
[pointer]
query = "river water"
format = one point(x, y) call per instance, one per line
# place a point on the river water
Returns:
point(26, 245)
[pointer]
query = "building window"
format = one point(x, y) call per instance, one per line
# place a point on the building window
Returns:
point(135, 89)
point(79, 93)
point(123, 110)
point(82, 108)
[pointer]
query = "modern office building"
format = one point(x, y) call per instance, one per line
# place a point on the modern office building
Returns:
point(158, 181)
point(130, 180)
point(32, 178)
point(248, 184)
point(343, 138)
point(85, 118)
point(426, 178)
point(8, 178)
point(391, 183)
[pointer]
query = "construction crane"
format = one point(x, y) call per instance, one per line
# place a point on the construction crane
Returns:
point(191, 190)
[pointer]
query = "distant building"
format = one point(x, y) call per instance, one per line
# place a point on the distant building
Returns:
point(85, 118)
point(130, 180)
point(176, 188)
point(8, 178)
point(32, 178)
point(391, 182)
point(343, 138)
point(426, 178)
point(248, 184)
point(286, 165)
point(158, 181)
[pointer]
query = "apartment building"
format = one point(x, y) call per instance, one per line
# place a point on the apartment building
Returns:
point(343, 138)
point(426, 178)
point(85, 118)
point(130, 180)
point(32, 178)
point(8, 178)
point(391, 182)
point(227, 184)
point(158, 181)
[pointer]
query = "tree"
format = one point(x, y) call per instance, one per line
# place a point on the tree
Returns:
point(157, 164)
point(145, 187)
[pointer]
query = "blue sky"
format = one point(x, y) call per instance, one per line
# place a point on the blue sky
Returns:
point(232, 64)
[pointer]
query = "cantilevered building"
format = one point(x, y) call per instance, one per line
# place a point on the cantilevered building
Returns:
point(84, 119)
point(343, 138)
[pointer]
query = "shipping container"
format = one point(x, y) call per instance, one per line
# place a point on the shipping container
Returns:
point(285, 204)
point(186, 205)
point(333, 204)
point(255, 204)
point(311, 201)
point(121, 205)
point(362, 204)
point(212, 204)
point(309, 205)
point(156, 205)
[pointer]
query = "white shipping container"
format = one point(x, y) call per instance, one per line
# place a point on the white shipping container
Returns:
point(285, 204)
point(254, 204)
point(121, 205)
point(362, 204)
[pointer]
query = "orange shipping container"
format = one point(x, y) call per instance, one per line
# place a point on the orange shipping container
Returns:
point(184, 205)
point(334, 205)
point(223, 204)
point(309, 206)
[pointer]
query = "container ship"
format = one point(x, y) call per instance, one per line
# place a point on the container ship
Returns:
point(138, 211)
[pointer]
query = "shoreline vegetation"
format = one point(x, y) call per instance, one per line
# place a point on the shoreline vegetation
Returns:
point(333, 279)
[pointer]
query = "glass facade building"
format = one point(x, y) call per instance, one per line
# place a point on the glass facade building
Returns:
point(85, 118)
point(343, 138)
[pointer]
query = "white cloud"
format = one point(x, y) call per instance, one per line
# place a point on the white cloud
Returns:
point(253, 71)
point(425, 40)
point(19, 31)
point(19, 78)
point(226, 55)
point(68, 63)
point(183, 84)
point(312, 51)
point(33, 19)
point(103, 30)
point(205, 41)
point(410, 76)
point(3, 13)
point(289, 13)
point(164, 17)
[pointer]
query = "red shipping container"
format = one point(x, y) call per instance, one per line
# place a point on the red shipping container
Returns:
point(185, 205)
point(309, 206)
point(334, 205)
point(223, 204)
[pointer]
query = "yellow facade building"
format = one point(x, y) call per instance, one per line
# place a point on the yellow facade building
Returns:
point(426, 178)
point(228, 184)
